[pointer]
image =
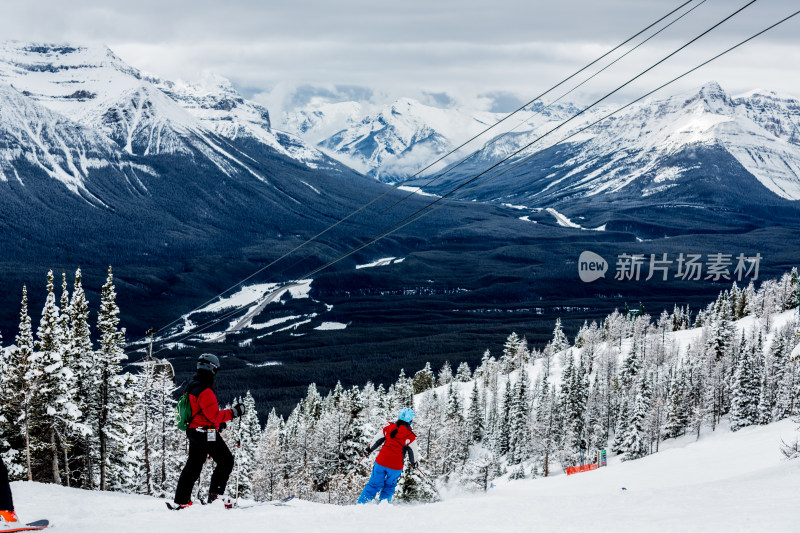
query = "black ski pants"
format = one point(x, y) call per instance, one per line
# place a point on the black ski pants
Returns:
point(199, 449)
point(6, 502)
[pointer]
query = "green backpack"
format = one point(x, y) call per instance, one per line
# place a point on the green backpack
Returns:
point(183, 412)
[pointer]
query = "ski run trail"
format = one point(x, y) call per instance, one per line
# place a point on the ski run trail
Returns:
point(724, 481)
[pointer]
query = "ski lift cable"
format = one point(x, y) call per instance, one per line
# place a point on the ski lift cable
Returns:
point(404, 222)
point(550, 104)
point(649, 93)
point(425, 210)
point(399, 184)
point(527, 158)
point(451, 168)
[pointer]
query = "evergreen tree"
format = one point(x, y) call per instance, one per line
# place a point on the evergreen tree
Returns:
point(504, 422)
point(509, 361)
point(82, 362)
point(413, 488)
point(16, 408)
point(746, 387)
point(113, 401)
point(634, 444)
point(54, 412)
point(475, 416)
point(463, 374)
point(268, 477)
point(445, 374)
point(519, 421)
point(424, 380)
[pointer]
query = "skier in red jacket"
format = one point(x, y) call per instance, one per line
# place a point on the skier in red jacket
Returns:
point(203, 434)
point(8, 518)
point(396, 440)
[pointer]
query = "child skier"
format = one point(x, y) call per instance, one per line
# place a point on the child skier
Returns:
point(396, 440)
point(8, 518)
point(203, 434)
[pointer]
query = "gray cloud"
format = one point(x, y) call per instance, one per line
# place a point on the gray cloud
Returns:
point(467, 50)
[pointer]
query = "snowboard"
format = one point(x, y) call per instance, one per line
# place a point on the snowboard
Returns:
point(278, 503)
point(33, 526)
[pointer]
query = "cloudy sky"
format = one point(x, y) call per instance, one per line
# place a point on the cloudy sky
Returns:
point(478, 53)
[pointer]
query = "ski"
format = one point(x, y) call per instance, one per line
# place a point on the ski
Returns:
point(277, 503)
point(33, 526)
point(174, 506)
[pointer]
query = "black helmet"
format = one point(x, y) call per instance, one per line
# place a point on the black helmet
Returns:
point(208, 362)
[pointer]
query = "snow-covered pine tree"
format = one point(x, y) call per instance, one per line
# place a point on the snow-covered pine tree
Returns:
point(623, 422)
point(445, 374)
point(454, 439)
point(245, 434)
point(268, 476)
point(510, 359)
point(54, 412)
point(635, 444)
point(475, 416)
point(519, 443)
point(746, 387)
point(424, 380)
point(463, 374)
point(113, 400)
point(545, 430)
point(20, 384)
point(503, 431)
point(404, 390)
point(413, 488)
point(82, 363)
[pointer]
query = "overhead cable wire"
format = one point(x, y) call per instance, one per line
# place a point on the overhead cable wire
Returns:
point(525, 121)
point(425, 211)
point(399, 184)
point(394, 227)
point(417, 216)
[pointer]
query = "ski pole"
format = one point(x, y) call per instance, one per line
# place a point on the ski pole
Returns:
point(238, 447)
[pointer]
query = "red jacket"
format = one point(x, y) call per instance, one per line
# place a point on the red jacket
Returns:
point(205, 408)
point(394, 449)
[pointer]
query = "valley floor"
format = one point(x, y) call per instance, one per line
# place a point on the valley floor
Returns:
point(722, 482)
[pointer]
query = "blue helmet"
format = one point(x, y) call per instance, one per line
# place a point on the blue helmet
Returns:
point(406, 414)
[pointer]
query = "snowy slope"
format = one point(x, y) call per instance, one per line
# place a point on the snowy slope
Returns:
point(723, 482)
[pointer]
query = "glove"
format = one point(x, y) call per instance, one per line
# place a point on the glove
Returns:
point(223, 425)
point(238, 410)
point(367, 451)
point(415, 464)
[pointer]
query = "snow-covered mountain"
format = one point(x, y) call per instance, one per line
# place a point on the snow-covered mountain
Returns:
point(698, 147)
point(403, 137)
point(141, 113)
point(648, 147)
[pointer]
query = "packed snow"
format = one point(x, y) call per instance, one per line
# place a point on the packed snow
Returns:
point(733, 482)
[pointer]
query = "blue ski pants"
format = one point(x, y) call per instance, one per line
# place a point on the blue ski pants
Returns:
point(383, 480)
